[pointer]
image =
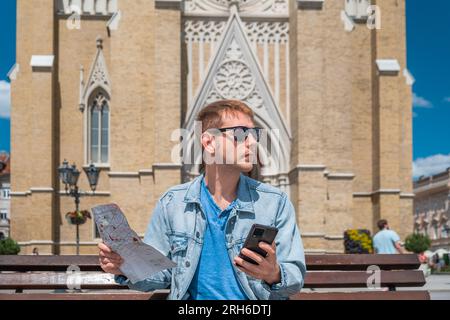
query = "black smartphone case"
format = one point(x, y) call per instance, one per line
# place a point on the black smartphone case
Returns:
point(252, 241)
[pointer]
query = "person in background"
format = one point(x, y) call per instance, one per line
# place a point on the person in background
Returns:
point(386, 241)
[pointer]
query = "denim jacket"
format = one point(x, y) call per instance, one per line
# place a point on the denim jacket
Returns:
point(178, 225)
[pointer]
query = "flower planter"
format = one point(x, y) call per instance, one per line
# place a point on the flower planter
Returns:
point(77, 218)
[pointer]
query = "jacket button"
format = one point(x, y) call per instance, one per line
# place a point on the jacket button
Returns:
point(197, 234)
point(187, 264)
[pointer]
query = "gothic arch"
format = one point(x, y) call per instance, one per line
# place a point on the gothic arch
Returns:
point(234, 73)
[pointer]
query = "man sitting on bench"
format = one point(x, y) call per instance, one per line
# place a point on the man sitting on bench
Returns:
point(201, 225)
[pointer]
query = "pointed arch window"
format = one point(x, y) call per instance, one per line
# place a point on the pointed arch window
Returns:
point(98, 129)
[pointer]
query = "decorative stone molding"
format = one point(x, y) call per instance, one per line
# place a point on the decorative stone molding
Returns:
point(313, 235)
point(260, 34)
point(145, 172)
point(13, 72)
point(168, 4)
point(267, 31)
point(20, 193)
point(98, 78)
point(234, 73)
point(87, 7)
point(357, 9)
point(210, 31)
point(117, 174)
point(203, 31)
point(51, 190)
point(410, 80)
point(310, 4)
point(245, 7)
point(310, 167)
point(385, 191)
point(89, 193)
point(42, 62)
point(41, 190)
point(388, 66)
point(340, 176)
point(362, 194)
point(334, 237)
point(113, 23)
point(162, 166)
point(349, 24)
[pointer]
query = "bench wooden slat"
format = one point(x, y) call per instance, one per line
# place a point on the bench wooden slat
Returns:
point(87, 296)
point(358, 279)
point(48, 263)
point(362, 261)
point(314, 279)
point(387, 295)
point(324, 271)
point(390, 295)
point(52, 280)
point(313, 262)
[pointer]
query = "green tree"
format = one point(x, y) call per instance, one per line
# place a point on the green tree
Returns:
point(417, 243)
point(9, 247)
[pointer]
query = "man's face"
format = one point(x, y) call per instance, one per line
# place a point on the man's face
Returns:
point(224, 148)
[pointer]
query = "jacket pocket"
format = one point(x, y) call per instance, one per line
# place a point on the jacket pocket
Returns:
point(178, 247)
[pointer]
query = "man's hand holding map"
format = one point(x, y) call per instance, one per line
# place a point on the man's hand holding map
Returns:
point(140, 260)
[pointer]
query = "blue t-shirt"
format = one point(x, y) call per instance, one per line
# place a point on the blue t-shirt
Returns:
point(384, 241)
point(215, 278)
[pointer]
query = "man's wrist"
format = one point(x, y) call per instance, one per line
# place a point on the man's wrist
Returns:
point(276, 279)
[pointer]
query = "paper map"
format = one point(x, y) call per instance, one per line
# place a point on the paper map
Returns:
point(140, 260)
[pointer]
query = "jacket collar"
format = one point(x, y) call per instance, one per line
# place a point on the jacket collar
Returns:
point(244, 200)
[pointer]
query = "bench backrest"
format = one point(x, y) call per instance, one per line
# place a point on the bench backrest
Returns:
point(329, 271)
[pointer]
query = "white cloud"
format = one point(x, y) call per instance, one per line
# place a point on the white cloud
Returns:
point(421, 102)
point(430, 165)
point(5, 99)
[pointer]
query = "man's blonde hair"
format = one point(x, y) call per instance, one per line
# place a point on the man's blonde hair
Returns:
point(211, 115)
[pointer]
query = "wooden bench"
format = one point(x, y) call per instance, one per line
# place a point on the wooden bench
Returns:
point(341, 276)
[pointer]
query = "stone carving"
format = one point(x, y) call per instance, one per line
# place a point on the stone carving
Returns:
point(253, 7)
point(260, 32)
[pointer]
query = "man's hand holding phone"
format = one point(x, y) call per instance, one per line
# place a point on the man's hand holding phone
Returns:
point(267, 268)
point(258, 258)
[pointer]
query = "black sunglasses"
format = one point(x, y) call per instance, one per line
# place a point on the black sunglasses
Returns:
point(241, 133)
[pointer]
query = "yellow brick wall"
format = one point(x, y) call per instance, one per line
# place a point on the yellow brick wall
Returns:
point(344, 117)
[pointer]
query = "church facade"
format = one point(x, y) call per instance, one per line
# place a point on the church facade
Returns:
point(112, 82)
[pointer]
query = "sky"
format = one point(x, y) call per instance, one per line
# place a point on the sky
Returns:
point(428, 52)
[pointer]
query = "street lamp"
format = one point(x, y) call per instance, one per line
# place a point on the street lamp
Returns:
point(69, 177)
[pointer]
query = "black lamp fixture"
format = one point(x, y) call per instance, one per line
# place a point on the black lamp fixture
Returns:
point(69, 176)
point(92, 173)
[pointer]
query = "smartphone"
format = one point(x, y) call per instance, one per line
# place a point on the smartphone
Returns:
point(257, 234)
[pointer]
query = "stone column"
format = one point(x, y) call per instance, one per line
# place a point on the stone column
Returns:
point(33, 128)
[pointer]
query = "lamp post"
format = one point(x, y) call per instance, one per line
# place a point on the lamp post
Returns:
point(69, 177)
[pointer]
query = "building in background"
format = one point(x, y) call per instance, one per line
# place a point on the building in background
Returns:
point(5, 200)
point(432, 209)
point(110, 81)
